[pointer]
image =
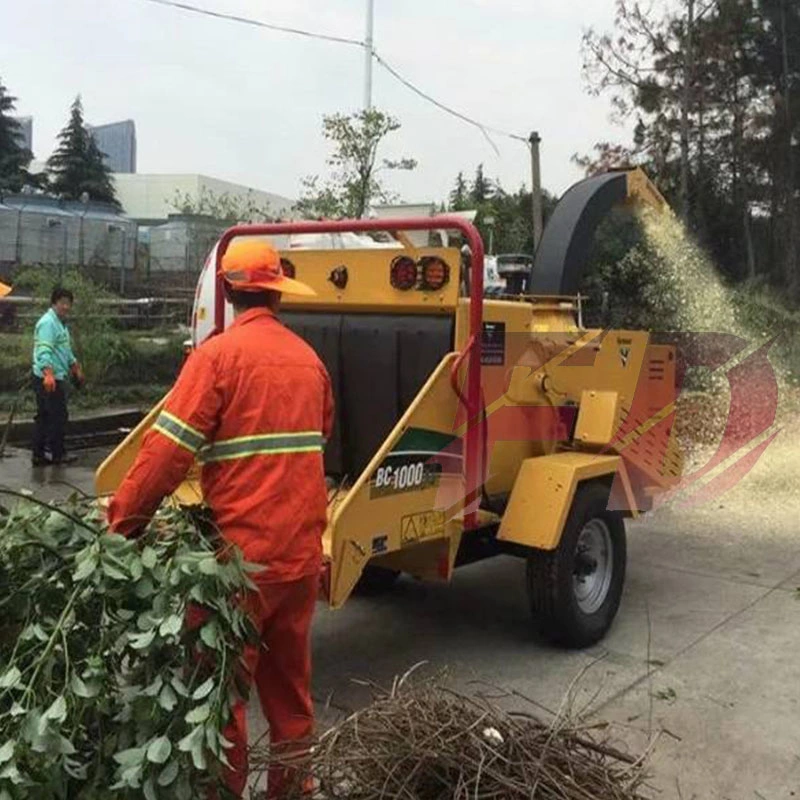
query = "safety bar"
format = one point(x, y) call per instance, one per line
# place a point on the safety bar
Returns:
point(473, 466)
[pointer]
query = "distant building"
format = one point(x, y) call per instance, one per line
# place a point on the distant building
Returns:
point(151, 199)
point(26, 128)
point(117, 141)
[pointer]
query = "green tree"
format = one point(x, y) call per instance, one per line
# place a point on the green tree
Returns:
point(355, 179)
point(459, 197)
point(512, 229)
point(711, 92)
point(14, 156)
point(224, 206)
point(482, 188)
point(77, 165)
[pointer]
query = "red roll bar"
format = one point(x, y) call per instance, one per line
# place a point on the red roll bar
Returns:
point(473, 466)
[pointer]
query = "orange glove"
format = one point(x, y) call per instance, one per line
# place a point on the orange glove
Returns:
point(49, 380)
point(77, 375)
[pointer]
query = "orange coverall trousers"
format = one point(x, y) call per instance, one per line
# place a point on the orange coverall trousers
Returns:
point(281, 670)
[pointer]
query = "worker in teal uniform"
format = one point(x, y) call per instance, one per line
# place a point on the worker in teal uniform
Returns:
point(53, 363)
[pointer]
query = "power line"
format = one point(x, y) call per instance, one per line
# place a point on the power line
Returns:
point(256, 23)
point(484, 129)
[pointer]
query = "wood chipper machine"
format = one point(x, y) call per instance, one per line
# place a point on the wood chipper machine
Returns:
point(468, 427)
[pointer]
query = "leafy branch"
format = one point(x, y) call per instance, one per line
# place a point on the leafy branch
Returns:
point(106, 689)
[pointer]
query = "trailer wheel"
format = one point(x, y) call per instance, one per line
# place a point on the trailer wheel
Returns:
point(375, 581)
point(575, 590)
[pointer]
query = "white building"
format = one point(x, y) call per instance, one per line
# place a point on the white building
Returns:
point(151, 198)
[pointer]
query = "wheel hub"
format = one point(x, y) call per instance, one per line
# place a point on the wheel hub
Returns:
point(593, 566)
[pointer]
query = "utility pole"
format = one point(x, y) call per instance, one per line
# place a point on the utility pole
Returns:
point(368, 55)
point(536, 189)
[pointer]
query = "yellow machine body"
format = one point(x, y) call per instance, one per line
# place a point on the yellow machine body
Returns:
point(608, 397)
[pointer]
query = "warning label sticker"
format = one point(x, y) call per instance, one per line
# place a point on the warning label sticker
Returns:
point(417, 527)
point(493, 344)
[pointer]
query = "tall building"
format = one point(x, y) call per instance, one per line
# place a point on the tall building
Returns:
point(117, 141)
point(26, 127)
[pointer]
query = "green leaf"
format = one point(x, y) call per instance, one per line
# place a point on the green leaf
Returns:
point(208, 633)
point(203, 690)
point(57, 711)
point(132, 757)
point(209, 566)
point(39, 633)
point(140, 641)
point(11, 773)
point(7, 751)
point(198, 714)
point(179, 686)
point(191, 739)
point(146, 621)
point(85, 568)
point(149, 557)
point(159, 750)
point(169, 773)
point(149, 790)
point(136, 569)
point(171, 625)
point(10, 678)
point(115, 541)
point(83, 689)
point(114, 573)
point(17, 710)
point(144, 588)
point(167, 699)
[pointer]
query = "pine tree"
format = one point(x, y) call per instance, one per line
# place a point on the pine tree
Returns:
point(14, 156)
point(482, 188)
point(459, 197)
point(77, 165)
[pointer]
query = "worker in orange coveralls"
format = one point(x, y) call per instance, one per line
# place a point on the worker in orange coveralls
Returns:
point(254, 405)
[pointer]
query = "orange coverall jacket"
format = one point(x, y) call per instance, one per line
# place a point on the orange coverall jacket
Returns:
point(254, 406)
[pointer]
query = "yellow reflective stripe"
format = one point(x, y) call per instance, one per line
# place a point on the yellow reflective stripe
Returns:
point(183, 424)
point(207, 458)
point(265, 444)
point(259, 436)
point(172, 437)
point(179, 432)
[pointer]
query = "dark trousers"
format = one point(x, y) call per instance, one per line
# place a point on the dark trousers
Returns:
point(51, 420)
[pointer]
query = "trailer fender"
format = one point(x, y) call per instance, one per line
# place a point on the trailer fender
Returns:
point(543, 493)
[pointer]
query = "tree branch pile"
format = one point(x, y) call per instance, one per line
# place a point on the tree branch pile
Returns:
point(423, 741)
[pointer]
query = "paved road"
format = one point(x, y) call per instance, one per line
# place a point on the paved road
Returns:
point(706, 645)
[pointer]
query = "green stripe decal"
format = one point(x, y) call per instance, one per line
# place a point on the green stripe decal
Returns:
point(424, 439)
point(271, 444)
point(180, 433)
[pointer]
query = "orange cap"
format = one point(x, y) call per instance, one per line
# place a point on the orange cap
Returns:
point(4, 290)
point(252, 265)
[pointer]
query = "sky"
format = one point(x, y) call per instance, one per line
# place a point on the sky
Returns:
point(246, 104)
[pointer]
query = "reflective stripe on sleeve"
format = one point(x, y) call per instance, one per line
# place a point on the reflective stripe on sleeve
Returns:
point(270, 444)
point(179, 432)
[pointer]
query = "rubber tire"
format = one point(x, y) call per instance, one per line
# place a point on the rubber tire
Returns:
point(375, 581)
point(549, 575)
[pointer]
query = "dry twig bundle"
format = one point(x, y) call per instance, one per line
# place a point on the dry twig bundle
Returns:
point(423, 741)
